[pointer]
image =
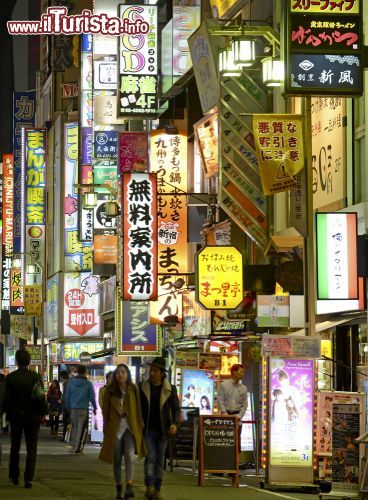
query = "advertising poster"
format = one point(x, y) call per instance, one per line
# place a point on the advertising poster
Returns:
point(196, 320)
point(210, 362)
point(345, 453)
point(81, 299)
point(197, 390)
point(291, 407)
point(133, 151)
point(326, 401)
point(97, 420)
point(206, 131)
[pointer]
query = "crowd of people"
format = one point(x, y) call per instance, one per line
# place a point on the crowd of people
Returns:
point(138, 419)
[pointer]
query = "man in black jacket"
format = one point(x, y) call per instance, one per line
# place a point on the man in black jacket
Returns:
point(24, 413)
point(161, 413)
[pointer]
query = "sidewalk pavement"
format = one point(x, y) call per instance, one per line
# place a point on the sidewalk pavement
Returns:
point(61, 474)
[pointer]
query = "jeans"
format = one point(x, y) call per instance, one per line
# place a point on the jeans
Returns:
point(124, 446)
point(31, 430)
point(79, 419)
point(54, 422)
point(155, 461)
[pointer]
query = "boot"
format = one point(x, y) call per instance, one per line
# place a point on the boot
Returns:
point(150, 492)
point(129, 491)
point(119, 491)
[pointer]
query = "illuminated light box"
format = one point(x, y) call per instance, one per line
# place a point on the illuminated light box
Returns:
point(337, 276)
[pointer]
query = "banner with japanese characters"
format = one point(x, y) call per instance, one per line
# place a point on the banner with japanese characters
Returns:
point(206, 132)
point(105, 144)
point(137, 336)
point(71, 351)
point(78, 254)
point(81, 300)
point(168, 159)
point(7, 233)
point(33, 300)
point(21, 327)
point(139, 216)
point(24, 110)
point(34, 175)
point(219, 277)
point(138, 86)
point(279, 147)
point(133, 151)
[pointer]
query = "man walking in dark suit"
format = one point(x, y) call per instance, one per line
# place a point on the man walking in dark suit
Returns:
point(24, 413)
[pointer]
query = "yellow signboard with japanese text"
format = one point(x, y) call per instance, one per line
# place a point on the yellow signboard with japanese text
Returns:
point(33, 300)
point(219, 275)
point(279, 147)
point(325, 6)
point(21, 327)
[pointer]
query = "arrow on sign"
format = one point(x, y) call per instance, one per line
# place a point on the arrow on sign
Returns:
point(81, 321)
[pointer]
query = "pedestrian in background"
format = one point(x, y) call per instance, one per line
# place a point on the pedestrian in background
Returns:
point(161, 414)
point(102, 391)
point(233, 400)
point(55, 407)
point(123, 428)
point(79, 395)
point(2, 401)
point(24, 412)
point(66, 413)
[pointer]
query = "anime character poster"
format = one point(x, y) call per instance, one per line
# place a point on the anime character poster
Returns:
point(197, 390)
point(291, 403)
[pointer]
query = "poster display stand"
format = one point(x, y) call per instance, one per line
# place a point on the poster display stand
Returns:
point(290, 385)
point(218, 438)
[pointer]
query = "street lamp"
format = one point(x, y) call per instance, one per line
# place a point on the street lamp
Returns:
point(272, 72)
point(244, 50)
point(90, 198)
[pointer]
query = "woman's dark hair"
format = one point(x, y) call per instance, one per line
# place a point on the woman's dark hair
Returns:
point(115, 389)
point(56, 383)
point(208, 404)
point(191, 386)
point(283, 375)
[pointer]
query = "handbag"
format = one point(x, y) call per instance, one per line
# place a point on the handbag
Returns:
point(38, 393)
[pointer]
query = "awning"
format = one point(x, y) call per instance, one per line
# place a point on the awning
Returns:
point(352, 318)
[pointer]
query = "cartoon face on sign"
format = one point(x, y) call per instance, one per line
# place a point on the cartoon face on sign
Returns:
point(107, 73)
point(90, 285)
point(103, 219)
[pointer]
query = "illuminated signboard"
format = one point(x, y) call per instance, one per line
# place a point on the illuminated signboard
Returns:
point(169, 301)
point(35, 198)
point(279, 147)
point(139, 207)
point(324, 48)
point(337, 276)
point(138, 337)
point(71, 351)
point(105, 172)
point(7, 236)
point(105, 74)
point(24, 108)
point(105, 144)
point(105, 248)
point(81, 305)
point(78, 255)
point(138, 86)
point(133, 151)
point(168, 159)
point(52, 306)
point(185, 21)
point(219, 275)
point(197, 390)
point(206, 132)
point(196, 320)
point(291, 403)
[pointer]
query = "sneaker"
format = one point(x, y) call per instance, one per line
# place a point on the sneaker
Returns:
point(28, 484)
point(129, 491)
point(150, 492)
point(14, 481)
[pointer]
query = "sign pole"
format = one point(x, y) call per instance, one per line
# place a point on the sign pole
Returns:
point(308, 249)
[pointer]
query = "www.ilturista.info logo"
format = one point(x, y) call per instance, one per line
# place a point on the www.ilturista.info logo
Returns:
point(56, 21)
